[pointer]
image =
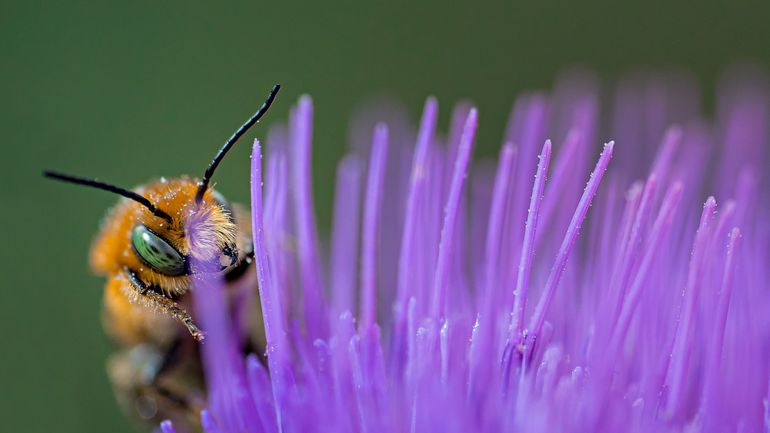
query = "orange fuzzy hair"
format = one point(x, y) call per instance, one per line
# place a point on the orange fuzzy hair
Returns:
point(111, 252)
point(199, 231)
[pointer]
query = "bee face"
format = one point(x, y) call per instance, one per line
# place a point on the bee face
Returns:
point(161, 252)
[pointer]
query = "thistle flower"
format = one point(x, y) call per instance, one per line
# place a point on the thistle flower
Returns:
point(561, 291)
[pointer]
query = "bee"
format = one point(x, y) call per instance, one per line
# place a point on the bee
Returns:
point(146, 248)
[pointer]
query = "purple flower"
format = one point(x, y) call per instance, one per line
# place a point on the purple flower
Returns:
point(572, 288)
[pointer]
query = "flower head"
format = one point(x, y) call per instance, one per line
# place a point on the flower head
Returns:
point(571, 288)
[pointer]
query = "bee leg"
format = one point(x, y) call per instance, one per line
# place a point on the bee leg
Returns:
point(177, 399)
point(163, 303)
point(167, 384)
point(151, 392)
point(171, 357)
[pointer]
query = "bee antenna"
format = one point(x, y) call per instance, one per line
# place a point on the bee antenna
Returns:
point(144, 201)
point(204, 183)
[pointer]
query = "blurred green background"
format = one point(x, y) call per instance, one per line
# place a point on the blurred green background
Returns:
point(130, 90)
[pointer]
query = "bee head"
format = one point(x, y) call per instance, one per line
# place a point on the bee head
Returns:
point(198, 236)
point(200, 231)
point(168, 230)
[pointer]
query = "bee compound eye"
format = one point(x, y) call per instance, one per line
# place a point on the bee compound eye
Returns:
point(156, 252)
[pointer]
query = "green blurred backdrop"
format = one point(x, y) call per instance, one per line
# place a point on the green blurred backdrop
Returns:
point(129, 90)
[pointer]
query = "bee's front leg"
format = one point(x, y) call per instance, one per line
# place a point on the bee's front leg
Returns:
point(156, 299)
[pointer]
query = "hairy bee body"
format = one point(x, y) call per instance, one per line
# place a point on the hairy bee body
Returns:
point(156, 371)
point(151, 247)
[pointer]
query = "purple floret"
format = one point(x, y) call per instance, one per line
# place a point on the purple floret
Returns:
point(565, 287)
